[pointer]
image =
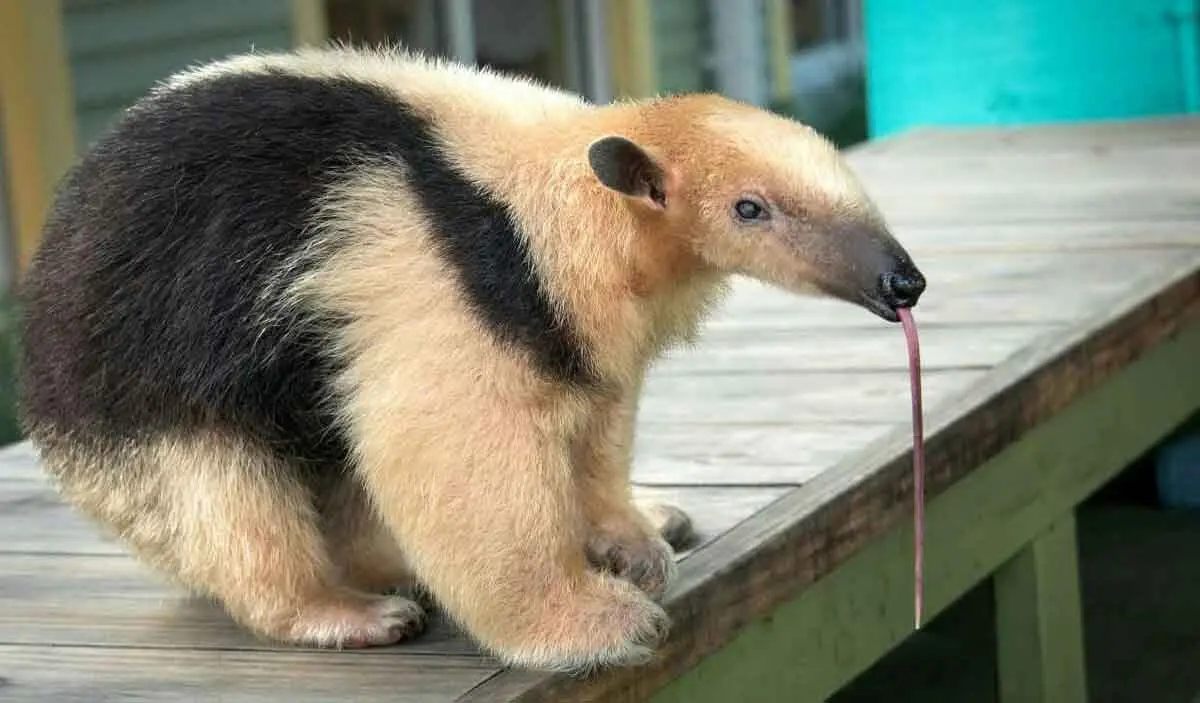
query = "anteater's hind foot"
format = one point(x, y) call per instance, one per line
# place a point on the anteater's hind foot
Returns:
point(231, 522)
point(353, 620)
point(363, 548)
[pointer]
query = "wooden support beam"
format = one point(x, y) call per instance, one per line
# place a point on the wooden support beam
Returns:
point(631, 41)
point(310, 22)
point(1039, 621)
point(460, 30)
point(811, 646)
point(36, 111)
point(781, 44)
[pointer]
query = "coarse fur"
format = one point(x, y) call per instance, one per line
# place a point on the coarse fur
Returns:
point(306, 327)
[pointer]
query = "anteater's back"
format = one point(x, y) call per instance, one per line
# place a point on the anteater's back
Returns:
point(147, 307)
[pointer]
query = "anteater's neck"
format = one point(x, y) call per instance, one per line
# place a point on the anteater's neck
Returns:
point(626, 277)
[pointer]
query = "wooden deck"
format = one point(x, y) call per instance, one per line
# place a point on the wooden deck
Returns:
point(1060, 335)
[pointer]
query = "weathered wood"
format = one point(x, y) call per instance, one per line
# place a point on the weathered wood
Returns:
point(879, 346)
point(831, 631)
point(33, 519)
point(1046, 287)
point(679, 454)
point(792, 400)
point(101, 675)
point(1035, 204)
point(994, 288)
point(36, 112)
point(1041, 139)
point(1039, 630)
point(810, 532)
point(1070, 238)
point(49, 599)
point(138, 611)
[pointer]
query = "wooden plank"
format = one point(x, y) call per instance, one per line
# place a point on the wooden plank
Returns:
point(631, 48)
point(310, 24)
point(1058, 172)
point(113, 601)
point(101, 675)
point(1039, 620)
point(36, 116)
point(1068, 238)
point(980, 204)
point(834, 629)
point(714, 402)
point(781, 46)
point(996, 289)
point(809, 533)
point(19, 462)
point(880, 347)
point(33, 519)
point(1041, 139)
point(678, 454)
point(128, 605)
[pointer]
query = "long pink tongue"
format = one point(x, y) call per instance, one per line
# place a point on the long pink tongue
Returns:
point(914, 371)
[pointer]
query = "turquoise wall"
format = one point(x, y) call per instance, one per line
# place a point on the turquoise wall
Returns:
point(969, 62)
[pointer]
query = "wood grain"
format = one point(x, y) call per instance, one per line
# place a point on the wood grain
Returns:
point(1124, 235)
point(988, 289)
point(790, 401)
point(1039, 630)
point(782, 453)
point(1056, 256)
point(33, 519)
point(1034, 203)
point(815, 528)
point(832, 630)
point(99, 675)
point(49, 599)
point(1040, 139)
point(104, 598)
point(880, 347)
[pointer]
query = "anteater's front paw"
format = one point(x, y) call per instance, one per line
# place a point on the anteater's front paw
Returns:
point(607, 623)
point(642, 558)
point(671, 523)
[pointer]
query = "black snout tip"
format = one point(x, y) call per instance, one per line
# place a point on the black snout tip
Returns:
point(901, 289)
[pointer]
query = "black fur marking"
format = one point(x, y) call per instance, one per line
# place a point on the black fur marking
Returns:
point(141, 306)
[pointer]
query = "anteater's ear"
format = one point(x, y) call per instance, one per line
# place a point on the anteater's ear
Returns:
point(628, 169)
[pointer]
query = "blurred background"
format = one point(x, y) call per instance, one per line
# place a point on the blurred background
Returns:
point(852, 69)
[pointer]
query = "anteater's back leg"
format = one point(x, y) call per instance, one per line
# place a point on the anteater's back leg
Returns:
point(231, 521)
point(362, 546)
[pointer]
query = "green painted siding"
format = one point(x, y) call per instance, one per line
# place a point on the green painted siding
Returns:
point(118, 49)
point(681, 45)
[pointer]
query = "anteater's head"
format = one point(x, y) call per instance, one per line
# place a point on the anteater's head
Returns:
point(748, 192)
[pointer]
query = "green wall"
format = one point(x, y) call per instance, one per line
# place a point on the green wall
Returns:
point(118, 49)
point(681, 42)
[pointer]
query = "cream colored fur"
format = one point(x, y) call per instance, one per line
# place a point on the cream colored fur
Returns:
point(221, 517)
point(506, 495)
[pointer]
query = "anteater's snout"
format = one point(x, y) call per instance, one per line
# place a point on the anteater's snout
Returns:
point(902, 287)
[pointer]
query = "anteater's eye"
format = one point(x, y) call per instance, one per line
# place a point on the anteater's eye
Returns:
point(750, 210)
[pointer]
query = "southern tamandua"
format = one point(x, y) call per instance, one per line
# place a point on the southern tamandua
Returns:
point(306, 326)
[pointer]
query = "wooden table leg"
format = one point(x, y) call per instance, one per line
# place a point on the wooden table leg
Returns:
point(1039, 628)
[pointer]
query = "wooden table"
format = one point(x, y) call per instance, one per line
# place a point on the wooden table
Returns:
point(1061, 338)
